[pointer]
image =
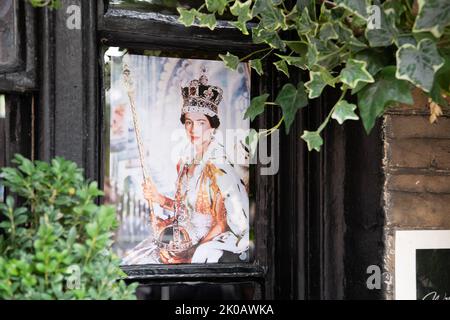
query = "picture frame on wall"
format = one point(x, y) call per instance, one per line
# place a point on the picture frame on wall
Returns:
point(178, 171)
point(9, 36)
point(422, 264)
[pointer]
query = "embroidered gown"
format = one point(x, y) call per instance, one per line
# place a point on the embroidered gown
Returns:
point(209, 196)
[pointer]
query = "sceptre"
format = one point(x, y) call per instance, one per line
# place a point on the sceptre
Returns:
point(129, 86)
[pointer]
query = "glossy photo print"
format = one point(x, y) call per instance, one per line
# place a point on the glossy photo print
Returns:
point(178, 170)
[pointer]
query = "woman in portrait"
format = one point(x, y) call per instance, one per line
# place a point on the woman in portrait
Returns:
point(210, 210)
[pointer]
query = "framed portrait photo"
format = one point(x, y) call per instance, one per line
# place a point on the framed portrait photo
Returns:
point(178, 159)
point(422, 262)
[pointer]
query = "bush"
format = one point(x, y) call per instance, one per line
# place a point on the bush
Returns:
point(57, 244)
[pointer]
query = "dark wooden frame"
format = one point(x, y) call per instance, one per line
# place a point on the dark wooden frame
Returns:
point(183, 40)
point(20, 75)
point(15, 62)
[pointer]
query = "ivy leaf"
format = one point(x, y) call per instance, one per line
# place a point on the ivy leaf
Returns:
point(256, 107)
point(252, 142)
point(187, 17)
point(282, 66)
point(313, 140)
point(376, 97)
point(355, 71)
point(261, 35)
point(441, 84)
point(434, 16)
point(358, 7)
point(375, 60)
point(291, 100)
point(419, 64)
point(344, 111)
point(207, 20)
point(346, 36)
point(305, 25)
point(294, 61)
point(298, 47)
point(309, 5)
point(312, 55)
point(243, 12)
point(273, 18)
point(257, 65)
point(231, 61)
point(405, 39)
point(216, 5)
point(385, 35)
point(327, 32)
point(242, 26)
point(318, 81)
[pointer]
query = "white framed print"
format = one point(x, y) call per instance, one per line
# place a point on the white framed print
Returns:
point(422, 265)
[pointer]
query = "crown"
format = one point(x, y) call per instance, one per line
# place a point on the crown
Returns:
point(198, 96)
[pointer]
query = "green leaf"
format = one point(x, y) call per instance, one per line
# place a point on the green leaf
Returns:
point(375, 60)
point(261, 35)
point(358, 7)
point(318, 81)
point(257, 66)
point(386, 34)
point(207, 20)
point(243, 12)
point(313, 140)
point(231, 61)
point(419, 64)
point(291, 99)
point(434, 16)
point(346, 36)
point(252, 142)
point(282, 66)
point(312, 55)
point(298, 47)
point(344, 111)
point(309, 5)
point(256, 107)
point(272, 17)
point(305, 25)
point(327, 32)
point(26, 166)
point(241, 26)
point(187, 17)
point(10, 202)
point(216, 5)
point(376, 97)
point(404, 39)
point(441, 84)
point(355, 71)
point(293, 61)
point(92, 229)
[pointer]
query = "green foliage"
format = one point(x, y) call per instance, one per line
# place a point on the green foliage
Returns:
point(344, 44)
point(386, 90)
point(53, 4)
point(291, 99)
point(57, 243)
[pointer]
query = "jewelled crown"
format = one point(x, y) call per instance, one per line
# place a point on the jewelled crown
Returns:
point(198, 96)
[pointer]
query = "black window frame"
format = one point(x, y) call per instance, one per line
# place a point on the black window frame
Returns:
point(20, 75)
point(153, 31)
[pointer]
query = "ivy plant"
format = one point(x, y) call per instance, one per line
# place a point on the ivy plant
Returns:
point(53, 4)
point(56, 242)
point(375, 52)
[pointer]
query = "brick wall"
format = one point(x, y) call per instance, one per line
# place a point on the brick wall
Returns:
point(416, 191)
